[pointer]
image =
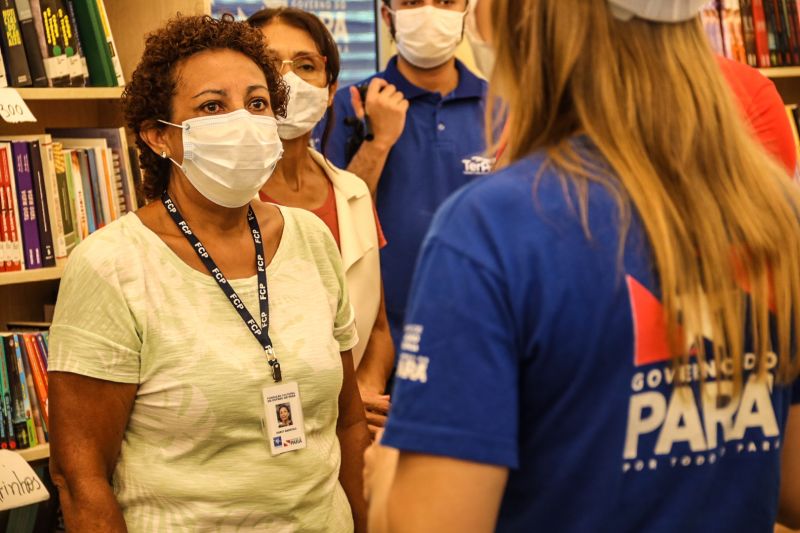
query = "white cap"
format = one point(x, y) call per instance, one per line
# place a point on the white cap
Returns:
point(657, 10)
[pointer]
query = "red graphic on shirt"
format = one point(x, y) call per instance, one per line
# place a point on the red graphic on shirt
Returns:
point(650, 329)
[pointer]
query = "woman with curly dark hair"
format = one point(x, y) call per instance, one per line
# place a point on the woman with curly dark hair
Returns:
point(180, 328)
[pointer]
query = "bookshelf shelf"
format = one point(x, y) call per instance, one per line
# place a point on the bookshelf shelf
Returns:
point(37, 453)
point(30, 276)
point(781, 72)
point(70, 93)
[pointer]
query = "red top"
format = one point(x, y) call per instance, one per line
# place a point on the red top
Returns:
point(327, 212)
point(764, 110)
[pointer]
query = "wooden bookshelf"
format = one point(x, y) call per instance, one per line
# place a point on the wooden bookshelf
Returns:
point(32, 276)
point(24, 295)
point(781, 72)
point(37, 453)
point(70, 93)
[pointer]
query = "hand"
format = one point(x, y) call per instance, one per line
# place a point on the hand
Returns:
point(376, 408)
point(386, 107)
point(380, 464)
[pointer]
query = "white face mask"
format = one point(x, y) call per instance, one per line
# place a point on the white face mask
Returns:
point(481, 50)
point(427, 36)
point(228, 158)
point(307, 106)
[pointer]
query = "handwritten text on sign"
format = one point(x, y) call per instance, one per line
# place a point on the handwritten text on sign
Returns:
point(13, 107)
point(19, 484)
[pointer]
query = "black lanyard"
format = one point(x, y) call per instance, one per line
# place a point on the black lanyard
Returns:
point(261, 332)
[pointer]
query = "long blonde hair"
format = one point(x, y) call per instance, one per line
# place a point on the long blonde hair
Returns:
point(721, 216)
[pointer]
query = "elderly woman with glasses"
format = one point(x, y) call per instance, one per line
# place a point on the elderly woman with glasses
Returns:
point(309, 62)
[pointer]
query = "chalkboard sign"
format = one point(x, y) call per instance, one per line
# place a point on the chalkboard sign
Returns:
point(353, 24)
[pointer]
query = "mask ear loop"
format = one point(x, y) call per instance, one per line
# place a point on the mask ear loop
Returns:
point(164, 153)
point(183, 127)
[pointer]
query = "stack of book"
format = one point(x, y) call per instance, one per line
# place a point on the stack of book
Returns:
point(57, 188)
point(760, 33)
point(23, 387)
point(57, 43)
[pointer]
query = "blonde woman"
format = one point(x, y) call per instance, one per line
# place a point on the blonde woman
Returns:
point(600, 335)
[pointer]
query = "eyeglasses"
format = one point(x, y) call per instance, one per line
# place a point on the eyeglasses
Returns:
point(308, 67)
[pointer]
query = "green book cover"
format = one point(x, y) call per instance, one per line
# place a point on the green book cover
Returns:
point(94, 43)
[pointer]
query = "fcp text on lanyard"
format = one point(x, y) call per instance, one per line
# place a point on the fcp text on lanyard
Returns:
point(260, 331)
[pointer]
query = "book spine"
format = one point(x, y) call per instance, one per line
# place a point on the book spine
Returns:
point(110, 183)
point(94, 43)
point(30, 427)
point(749, 33)
point(791, 35)
point(53, 196)
point(727, 30)
point(37, 416)
point(762, 33)
point(27, 207)
point(712, 24)
point(8, 395)
point(46, 236)
point(774, 58)
point(55, 60)
point(68, 41)
point(101, 208)
point(41, 339)
point(79, 201)
point(790, 7)
point(732, 17)
point(78, 43)
point(31, 41)
point(3, 77)
point(90, 199)
point(38, 376)
point(19, 75)
point(66, 198)
point(17, 402)
point(14, 215)
point(101, 9)
point(784, 33)
point(4, 437)
point(6, 250)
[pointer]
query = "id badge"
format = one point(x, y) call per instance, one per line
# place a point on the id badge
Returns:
point(283, 413)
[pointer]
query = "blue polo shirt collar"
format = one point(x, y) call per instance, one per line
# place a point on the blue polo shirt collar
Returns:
point(469, 85)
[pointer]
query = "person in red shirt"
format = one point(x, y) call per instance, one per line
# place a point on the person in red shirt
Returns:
point(763, 109)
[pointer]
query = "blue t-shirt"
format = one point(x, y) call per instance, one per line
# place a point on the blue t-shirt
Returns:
point(440, 150)
point(527, 346)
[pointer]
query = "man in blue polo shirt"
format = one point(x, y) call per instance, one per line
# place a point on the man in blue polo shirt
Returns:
point(426, 110)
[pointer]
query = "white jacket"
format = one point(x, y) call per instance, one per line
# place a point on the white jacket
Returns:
point(360, 248)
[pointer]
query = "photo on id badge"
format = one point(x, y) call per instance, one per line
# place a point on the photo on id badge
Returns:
point(284, 415)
